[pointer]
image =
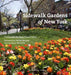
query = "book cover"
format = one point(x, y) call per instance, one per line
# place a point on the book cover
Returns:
point(35, 37)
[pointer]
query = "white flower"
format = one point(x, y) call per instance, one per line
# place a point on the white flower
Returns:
point(7, 52)
point(29, 44)
point(11, 52)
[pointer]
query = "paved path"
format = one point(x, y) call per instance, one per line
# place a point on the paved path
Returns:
point(10, 31)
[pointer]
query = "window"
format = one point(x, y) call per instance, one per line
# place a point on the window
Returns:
point(69, 14)
point(63, 9)
point(66, 9)
point(70, 8)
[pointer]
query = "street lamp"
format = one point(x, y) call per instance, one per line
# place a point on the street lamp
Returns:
point(20, 19)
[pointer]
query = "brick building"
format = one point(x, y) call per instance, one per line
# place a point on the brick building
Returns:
point(67, 9)
point(63, 7)
point(45, 7)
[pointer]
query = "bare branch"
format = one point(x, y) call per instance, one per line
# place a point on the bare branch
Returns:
point(8, 3)
point(26, 3)
point(31, 2)
point(38, 5)
point(28, 6)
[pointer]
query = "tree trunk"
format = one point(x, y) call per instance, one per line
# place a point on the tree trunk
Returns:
point(0, 21)
point(29, 19)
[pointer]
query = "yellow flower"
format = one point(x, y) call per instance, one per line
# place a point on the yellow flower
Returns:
point(40, 63)
point(1, 68)
point(36, 52)
point(64, 41)
point(47, 50)
point(59, 44)
point(69, 69)
point(52, 45)
point(69, 73)
point(26, 66)
point(40, 53)
point(12, 57)
point(69, 65)
point(69, 54)
point(55, 47)
point(49, 59)
point(15, 73)
point(66, 46)
point(69, 41)
point(66, 53)
point(19, 49)
point(59, 40)
point(57, 52)
point(6, 45)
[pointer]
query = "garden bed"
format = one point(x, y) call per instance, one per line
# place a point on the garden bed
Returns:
point(52, 58)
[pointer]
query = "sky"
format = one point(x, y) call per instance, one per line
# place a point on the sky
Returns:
point(15, 6)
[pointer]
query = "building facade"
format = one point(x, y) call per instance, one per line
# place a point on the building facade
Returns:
point(63, 7)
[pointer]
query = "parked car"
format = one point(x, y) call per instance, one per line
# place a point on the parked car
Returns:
point(61, 26)
point(68, 27)
point(15, 25)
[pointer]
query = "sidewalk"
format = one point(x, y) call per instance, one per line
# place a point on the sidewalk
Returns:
point(10, 31)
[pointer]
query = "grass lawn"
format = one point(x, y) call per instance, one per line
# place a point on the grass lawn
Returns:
point(35, 35)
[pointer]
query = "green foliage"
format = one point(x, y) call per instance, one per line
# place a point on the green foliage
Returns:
point(61, 65)
point(69, 20)
point(41, 35)
point(4, 19)
point(7, 20)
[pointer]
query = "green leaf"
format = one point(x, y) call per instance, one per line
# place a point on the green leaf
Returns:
point(61, 65)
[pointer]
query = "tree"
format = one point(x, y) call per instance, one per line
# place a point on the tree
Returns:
point(0, 21)
point(29, 6)
point(45, 7)
point(31, 10)
point(61, 0)
point(60, 6)
point(8, 16)
point(2, 4)
point(39, 6)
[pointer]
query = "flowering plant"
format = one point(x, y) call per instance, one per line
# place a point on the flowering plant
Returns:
point(53, 57)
